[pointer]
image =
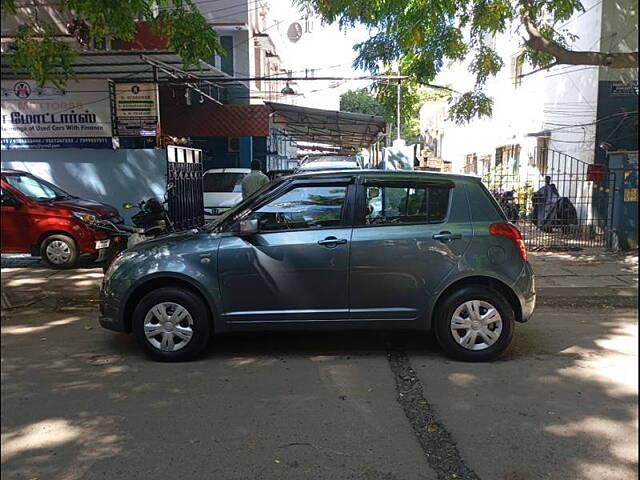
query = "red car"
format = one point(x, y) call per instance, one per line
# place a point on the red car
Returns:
point(42, 219)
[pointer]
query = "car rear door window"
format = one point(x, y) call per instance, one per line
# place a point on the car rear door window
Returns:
point(304, 207)
point(400, 204)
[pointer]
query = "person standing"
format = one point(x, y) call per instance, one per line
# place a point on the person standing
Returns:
point(254, 181)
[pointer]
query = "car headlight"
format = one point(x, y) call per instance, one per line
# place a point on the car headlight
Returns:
point(85, 217)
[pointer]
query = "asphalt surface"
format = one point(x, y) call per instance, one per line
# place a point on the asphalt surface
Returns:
point(79, 402)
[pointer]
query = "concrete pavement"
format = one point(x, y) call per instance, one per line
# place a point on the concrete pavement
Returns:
point(590, 277)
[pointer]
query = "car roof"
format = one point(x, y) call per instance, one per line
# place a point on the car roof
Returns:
point(384, 174)
point(11, 171)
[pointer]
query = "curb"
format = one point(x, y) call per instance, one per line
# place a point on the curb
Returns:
point(624, 297)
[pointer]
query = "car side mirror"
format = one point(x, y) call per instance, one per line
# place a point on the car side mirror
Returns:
point(248, 227)
point(8, 201)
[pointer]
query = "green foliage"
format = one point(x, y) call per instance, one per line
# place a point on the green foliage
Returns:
point(41, 56)
point(541, 59)
point(411, 98)
point(486, 63)
point(8, 6)
point(361, 101)
point(189, 34)
point(424, 35)
point(37, 51)
point(470, 105)
point(382, 101)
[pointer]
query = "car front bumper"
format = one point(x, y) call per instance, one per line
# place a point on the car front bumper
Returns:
point(109, 316)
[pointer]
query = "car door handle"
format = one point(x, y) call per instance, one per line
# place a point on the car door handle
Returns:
point(332, 241)
point(447, 236)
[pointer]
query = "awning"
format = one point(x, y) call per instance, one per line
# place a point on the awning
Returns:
point(349, 132)
point(127, 65)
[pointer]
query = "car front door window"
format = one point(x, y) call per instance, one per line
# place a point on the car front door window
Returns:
point(306, 207)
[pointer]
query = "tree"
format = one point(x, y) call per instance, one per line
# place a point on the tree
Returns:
point(382, 101)
point(37, 50)
point(424, 34)
point(361, 101)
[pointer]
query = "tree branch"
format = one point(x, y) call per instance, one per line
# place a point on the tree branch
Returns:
point(569, 57)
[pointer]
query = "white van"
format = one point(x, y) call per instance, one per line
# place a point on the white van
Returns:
point(222, 188)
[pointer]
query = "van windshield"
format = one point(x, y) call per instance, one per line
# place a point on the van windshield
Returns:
point(35, 188)
point(223, 182)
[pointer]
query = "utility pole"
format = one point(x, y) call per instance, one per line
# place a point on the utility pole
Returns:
point(398, 87)
point(398, 107)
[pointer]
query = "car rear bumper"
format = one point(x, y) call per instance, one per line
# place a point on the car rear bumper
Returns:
point(526, 289)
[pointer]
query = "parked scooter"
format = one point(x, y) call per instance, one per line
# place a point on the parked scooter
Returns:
point(150, 221)
point(508, 203)
point(551, 210)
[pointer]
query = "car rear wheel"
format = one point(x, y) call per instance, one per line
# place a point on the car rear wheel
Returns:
point(171, 324)
point(59, 251)
point(474, 324)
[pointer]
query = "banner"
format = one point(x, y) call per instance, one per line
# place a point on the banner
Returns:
point(76, 116)
point(136, 109)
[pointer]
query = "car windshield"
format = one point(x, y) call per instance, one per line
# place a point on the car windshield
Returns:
point(223, 182)
point(35, 188)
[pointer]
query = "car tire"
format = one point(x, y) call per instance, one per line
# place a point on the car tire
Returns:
point(161, 312)
point(466, 328)
point(59, 251)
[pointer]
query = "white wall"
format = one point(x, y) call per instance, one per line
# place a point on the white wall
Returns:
point(109, 176)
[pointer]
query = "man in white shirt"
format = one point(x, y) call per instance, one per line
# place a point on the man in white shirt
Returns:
point(254, 181)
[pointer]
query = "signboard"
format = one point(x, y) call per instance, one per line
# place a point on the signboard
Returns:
point(76, 116)
point(136, 109)
point(624, 90)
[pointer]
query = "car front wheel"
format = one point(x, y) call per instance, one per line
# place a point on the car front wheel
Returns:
point(474, 324)
point(59, 251)
point(171, 324)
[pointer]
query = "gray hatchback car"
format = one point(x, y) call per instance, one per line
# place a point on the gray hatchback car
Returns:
point(348, 249)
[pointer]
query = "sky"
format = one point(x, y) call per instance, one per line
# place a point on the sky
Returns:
point(325, 48)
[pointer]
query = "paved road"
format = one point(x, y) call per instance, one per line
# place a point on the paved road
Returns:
point(82, 403)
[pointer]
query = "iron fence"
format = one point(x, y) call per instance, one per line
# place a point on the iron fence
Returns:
point(554, 201)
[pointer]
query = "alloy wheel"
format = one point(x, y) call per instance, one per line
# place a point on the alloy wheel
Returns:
point(168, 326)
point(476, 325)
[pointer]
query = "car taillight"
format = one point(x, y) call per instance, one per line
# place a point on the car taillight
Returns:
point(510, 231)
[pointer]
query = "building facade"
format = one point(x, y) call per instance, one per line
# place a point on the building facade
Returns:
point(580, 111)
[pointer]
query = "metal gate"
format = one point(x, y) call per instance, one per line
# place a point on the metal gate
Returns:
point(184, 187)
point(559, 202)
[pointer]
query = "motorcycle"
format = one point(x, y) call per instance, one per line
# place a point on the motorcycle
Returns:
point(150, 221)
point(508, 203)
